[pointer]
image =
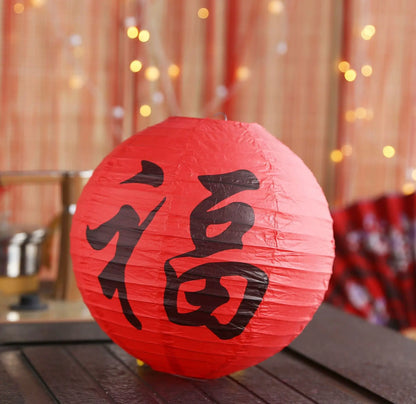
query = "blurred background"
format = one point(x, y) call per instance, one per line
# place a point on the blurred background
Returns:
point(333, 80)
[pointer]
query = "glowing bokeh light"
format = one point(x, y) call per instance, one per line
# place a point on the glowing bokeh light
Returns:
point(132, 32)
point(152, 73)
point(173, 70)
point(144, 35)
point(350, 75)
point(350, 116)
point(136, 66)
point(368, 32)
point(76, 81)
point(366, 70)
point(243, 73)
point(203, 13)
point(408, 188)
point(275, 6)
point(343, 66)
point(336, 156)
point(37, 3)
point(145, 110)
point(389, 151)
point(18, 8)
point(360, 113)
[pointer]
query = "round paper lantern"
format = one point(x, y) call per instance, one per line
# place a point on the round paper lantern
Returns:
point(202, 246)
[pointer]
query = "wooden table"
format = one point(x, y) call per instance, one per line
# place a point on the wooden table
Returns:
point(337, 359)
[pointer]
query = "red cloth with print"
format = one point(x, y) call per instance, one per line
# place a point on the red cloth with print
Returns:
point(374, 267)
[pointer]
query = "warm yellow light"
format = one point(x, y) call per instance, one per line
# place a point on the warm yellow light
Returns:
point(18, 8)
point(366, 70)
point(140, 363)
point(346, 150)
point(173, 70)
point(145, 110)
point(368, 32)
point(203, 13)
point(136, 66)
point(408, 188)
point(37, 3)
point(152, 73)
point(343, 66)
point(275, 6)
point(360, 113)
point(132, 32)
point(413, 174)
point(350, 116)
point(76, 81)
point(388, 151)
point(336, 156)
point(243, 73)
point(144, 35)
point(350, 75)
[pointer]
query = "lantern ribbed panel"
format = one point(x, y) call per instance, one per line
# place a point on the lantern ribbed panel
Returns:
point(290, 242)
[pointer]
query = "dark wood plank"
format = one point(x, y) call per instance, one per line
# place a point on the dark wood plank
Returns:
point(115, 378)
point(17, 383)
point(65, 378)
point(173, 389)
point(226, 391)
point(269, 388)
point(312, 381)
point(23, 333)
point(375, 358)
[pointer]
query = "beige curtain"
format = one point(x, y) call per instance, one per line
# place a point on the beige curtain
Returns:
point(377, 112)
point(68, 94)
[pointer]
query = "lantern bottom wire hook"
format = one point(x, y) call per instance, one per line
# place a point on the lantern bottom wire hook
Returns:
point(223, 114)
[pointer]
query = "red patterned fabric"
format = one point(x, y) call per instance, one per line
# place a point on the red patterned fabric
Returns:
point(374, 269)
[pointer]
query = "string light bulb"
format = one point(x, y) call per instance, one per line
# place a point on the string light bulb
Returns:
point(388, 151)
point(173, 70)
point(343, 66)
point(76, 81)
point(408, 188)
point(350, 75)
point(366, 70)
point(336, 156)
point(18, 8)
point(136, 66)
point(368, 32)
point(145, 110)
point(203, 13)
point(360, 113)
point(37, 3)
point(152, 73)
point(132, 32)
point(350, 115)
point(275, 6)
point(144, 35)
point(243, 73)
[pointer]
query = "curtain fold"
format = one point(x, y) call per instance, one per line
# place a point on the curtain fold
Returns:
point(69, 95)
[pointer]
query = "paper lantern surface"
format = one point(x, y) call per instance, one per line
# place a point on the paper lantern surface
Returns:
point(201, 246)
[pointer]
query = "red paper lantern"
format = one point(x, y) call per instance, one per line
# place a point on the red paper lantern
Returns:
point(201, 246)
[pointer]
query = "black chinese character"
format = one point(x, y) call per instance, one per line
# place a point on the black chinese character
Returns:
point(241, 218)
point(127, 224)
